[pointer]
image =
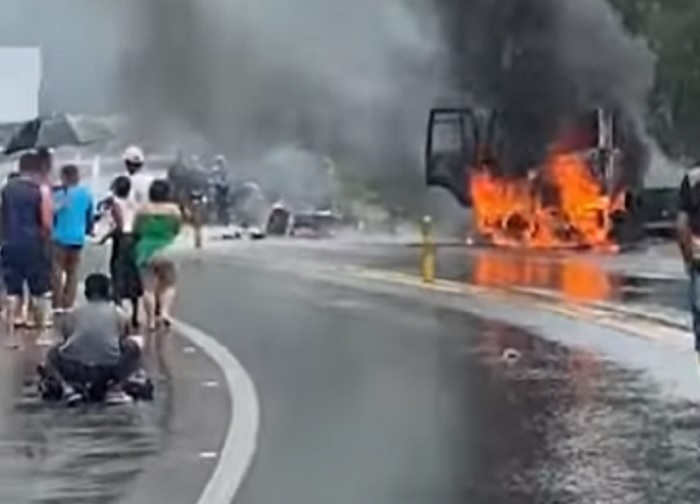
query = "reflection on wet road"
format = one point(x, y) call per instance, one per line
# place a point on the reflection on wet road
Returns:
point(575, 277)
point(579, 276)
point(50, 454)
point(371, 398)
point(560, 425)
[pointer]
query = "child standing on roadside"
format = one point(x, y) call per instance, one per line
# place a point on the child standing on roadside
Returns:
point(125, 273)
point(72, 224)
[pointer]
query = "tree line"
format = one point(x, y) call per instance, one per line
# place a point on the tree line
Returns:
point(671, 28)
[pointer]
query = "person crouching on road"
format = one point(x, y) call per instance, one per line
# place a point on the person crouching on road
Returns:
point(73, 220)
point(156, 226)
point(126, 278)
point(96, 351)
point(26, 216)
point(689, 242)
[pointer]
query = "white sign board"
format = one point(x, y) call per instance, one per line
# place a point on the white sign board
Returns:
point(20, 83)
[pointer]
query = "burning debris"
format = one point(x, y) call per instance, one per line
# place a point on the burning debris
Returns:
point(539, 66)
point(567, 202)
point(539, 62)
point(575, 198)
point(561, 205)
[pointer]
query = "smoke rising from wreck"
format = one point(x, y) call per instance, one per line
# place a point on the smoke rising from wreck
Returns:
point(352, 80)
point(538, 62)
point(355, 79)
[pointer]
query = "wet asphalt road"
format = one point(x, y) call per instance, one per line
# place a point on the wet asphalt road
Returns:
point(579, 276)
point(369, 398)
point(113, 454)
point(54, 455)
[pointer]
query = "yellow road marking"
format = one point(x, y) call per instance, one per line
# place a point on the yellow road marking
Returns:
point(554, 304)
point(603, 318)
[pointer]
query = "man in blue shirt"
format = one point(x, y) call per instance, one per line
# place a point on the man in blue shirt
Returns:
point(73, 219)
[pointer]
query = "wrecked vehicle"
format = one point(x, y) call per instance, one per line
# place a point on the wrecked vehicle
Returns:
point(579, 197)
point(318, 223)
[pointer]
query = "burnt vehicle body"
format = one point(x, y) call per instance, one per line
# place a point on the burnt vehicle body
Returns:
point(657, 208)
point(279, 221)
point(248, 204)
point(459, 139)
point(321, 223)
point(282, 221)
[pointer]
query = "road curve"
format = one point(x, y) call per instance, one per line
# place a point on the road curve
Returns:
point(239, 446)
point(370, 397)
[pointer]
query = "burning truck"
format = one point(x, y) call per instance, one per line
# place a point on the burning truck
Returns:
point(580, 196)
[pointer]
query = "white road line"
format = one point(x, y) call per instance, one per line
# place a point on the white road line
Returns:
point(236, 455)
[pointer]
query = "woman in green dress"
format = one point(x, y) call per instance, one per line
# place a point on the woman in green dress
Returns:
point(156, 227)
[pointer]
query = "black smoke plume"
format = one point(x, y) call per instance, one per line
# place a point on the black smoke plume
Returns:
point(354, 80)
point(542, 62)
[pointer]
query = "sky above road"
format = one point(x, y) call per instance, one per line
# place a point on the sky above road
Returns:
point(82, 43)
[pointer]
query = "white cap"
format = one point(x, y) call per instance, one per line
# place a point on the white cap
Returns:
point(134, 155)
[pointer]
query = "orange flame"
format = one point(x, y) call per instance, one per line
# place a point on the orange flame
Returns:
point(563, 205)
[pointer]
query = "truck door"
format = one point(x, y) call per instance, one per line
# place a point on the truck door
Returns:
point(451, 149)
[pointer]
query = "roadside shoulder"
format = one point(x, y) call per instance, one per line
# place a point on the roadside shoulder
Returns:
point(199, 409)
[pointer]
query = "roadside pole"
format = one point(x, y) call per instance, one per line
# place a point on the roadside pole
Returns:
point(197, 224)
point(427, 251)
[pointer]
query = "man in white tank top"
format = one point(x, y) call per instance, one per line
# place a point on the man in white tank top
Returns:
point(134, 160)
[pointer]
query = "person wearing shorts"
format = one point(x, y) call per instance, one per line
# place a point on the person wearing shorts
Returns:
point(26, 217)
point(73, 219)
point(126, 277)
point(156, 226)
point(3, 294)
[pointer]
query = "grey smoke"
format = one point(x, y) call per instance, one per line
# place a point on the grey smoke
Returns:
point(352, 80)
point(307, 182)
point(355, 79)
point(542, 61)
point(349, 78)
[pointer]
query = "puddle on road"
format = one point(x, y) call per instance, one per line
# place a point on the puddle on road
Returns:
point(562, 425)
point(575, 275)
point(578, 278)
point(445, 416)
point(668, 293)
point(50, 454)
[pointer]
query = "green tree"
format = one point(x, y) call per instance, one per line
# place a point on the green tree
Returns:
point(672, 30)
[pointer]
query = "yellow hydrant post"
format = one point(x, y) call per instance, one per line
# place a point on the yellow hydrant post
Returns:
point(427, 251)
